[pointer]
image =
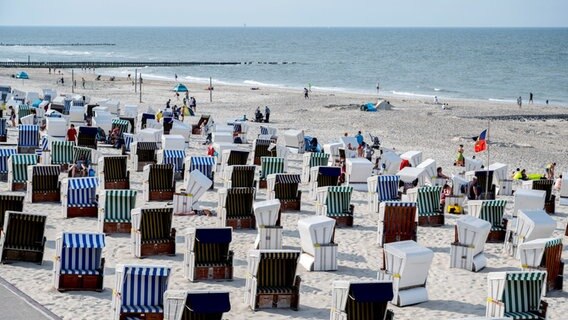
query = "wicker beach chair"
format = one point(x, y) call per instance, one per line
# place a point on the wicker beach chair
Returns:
point(361, 300)
point(87, 137)
point(233, 158)
point(284, 187)
point(3, 130)
point(195, 305)
point(205, 165)
point(152, 232)
point(382, 188)
point(185, 202)
point(10, 202)
point(79, 198)
point(158, 182)
point(466, 252)
point(310, 160)
point(208, 256)
point(525, 199)
point(428, 202)
point(18, 170)
point(142, 154)
point(319, 251)
point(5, 153)
point(485, 183)
point(115, 212)
point(122, 126)
point(335, 202)
point(546, 186)
point(113, 172)
point(491, 211)
point(260, 148)
point(268, 166)
point(235, 208)
point(397, 222)
point(323, 176)
point(23, 237)
point(28, 138)
point(174, 157)
point(61, 153)
point(544, 254)
point(529, 225)
point(43, 183)
point(239, 176)
point(267, 216)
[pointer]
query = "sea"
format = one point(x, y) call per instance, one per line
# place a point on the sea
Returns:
point(498, 64)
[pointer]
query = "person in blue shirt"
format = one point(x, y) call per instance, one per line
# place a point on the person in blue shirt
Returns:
point(359, 137)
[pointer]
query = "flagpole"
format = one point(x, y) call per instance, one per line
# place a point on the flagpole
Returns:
point(487, 168)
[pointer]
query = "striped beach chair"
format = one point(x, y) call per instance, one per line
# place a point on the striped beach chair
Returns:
point(260, 147)
point(205, 165)
point(24, 110)
point(128, 139)
point(142, 154)
point(233, 158)
point(185, 202)
point(428, 202)
point(23, 237)
point(43, 183)
point(272, 281)
point(269, 229)
point(323, 176)
point(239, 176)
point(208, 256)
point(28, 138)
point(235, 208)
point(79, 264)
point(268, 131)
point(550, 199)
point(152, 232)
point(174, 157)
point(113, 172)
point(470, 235)
point(310, 160)
point(491, 211)
point(3, 130)
point(284, 187)
point(61, 153)
point(87, 137)
point(122, 126)
point(10, 202)
point(319, 251)
point(544, 254)
point(79, 198)
point(158, 182)
point(269, 165)
point(89, 155)
point(194, 305)
point(5, 153)
point(382, 188)
point(361, 300)
point(114, 215)
point(18, 170)
point(139, 292)
point(397, 222)
point(516, 295)
point(335, 202)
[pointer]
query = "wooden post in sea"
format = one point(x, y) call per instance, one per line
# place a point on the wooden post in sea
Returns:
point(210, 90)
point(140, 87)
point(72, 81)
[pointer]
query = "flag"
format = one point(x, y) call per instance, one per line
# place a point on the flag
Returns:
point(481, 143)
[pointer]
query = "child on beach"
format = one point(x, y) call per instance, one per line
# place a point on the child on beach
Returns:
point(460, 161)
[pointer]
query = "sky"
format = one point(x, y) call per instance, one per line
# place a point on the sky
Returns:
point(286, 13)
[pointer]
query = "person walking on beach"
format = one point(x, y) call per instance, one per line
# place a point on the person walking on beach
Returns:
point(530, 98)
point(550, 171)
point(83, 82)
point(520, 101)
point(168, 103)
point(12, 116)
point(266, 114)
point(193, 104)
point(71, 133)
point(176, 76)
point(306, 93)
point(460, 161)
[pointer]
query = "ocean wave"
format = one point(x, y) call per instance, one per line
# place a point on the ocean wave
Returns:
point(49, 51)
point(501, 100)
point(411, 94)
point(262, 84)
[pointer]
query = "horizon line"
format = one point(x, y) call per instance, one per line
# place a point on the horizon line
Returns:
point(291, 27)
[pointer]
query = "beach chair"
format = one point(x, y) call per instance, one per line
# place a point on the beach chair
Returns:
point(335, 202)
point(87, 137)
point(357, 171)
point(406, 264)
point(472, 164)
point(294, 141)
point(516, 295)
point(222, 137)
point(310, 160)
point(173, 142)
point(174, 157)
point(185, 202)
point(389, 162)
point(491, 211)
point(358, 300)
point(268, 166)
point(56, 127)
point(205, 165)
point(544, 254)
point(139, 292)
point(485, 183)
point(470, 235)
point(397, 222)
point(79, 197)
point(5, 153)
point(10, 202)
point(235, 208)
point(28, 138)
point(428, 202)
point(563, 201)
point(158, 182)
point(208, 256)
point(323, 177)
point(23, 237)
point(79, 264)
point(284, 187)
point(3, 130)
point(267, 216)
point(501, 179)
point(142, 154)
point(203, 121)
point(195, 305)
point(382, 188)
point(333, 150)
point(525, 199)
point(143, 119)
point(122, 126)
point(546, 186)
point(90, 156)
point(412, 177)
point(272, 281)
point(529, 225)
point(239, 176)
point(260, 147)
point(113, 172)
point(233, 158)
point(114, 214)
point(128, 139)
point(319, 251)
point(430, 172)
point(61, 153)
point(43, 183)
point(240, 130)
point(152, 233)
point(18, 170)
point(413, 157)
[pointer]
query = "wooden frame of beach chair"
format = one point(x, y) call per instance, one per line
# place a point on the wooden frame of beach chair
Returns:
point(174, 157)
point(79, 265)
point(269, 165)
point(470, 235)
point(139, 292)
point(428, 203)
point(529, 225)
point(115, 211)
point(61, 154)
point(208, 255)
point(492, 211)
point(5, 154)
point(310, 160)
point(382, 188)
point(87, 137)
point(239, 176)
point(397, 222)
point(113, 172)
point(79, 197)
point(28, 138)
point(323, 176)
point(319, 251)
point(3, 130)
point(406, 264)
point(525, 199)
point(260, 149)
point(546, 186)
point(159, 183)
point(235, 208)
point(267, 216)
point(18, 170)
point(516, 295)
point(361, 300)
point(203, 121)
point(284, 187)
point(335, 202)
point(23, 237)
point(205, 165)
point(10, 202)
point(142, 154)
point(43, 183)
point(196, 305)
point(272, 281)
point(185, 201)
point(544, 254)
point(152, 233)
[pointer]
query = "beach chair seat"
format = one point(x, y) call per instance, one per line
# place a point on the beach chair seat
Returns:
point(5, 154)
point(142, 154)
point(319, 251)
point(235, 208)
point(268, 166)
point(272, 281)
point(159, 183)
point(335, 202)
point(239, 176)
point(284, 187)
point(397, 222)
point(152, 232)
point(203, 121)
point(196, 305)
point(310, 160)
point(205, 165)
point(267, 216)
point(428, 203)
point(79, 197)
point(470, 235)
point(208, 256)
point(323, 176)
point(185, 202)
point(10, 202)
point(544, 254)
point(43, 183)
point(139, 292)
point(358, 300)
point(382, 188)
point(23, 237)
point(493, 212)
point(115, 214)
point(28, 138)
point(113, 172)
point(529, 225)
point(87, 137)
point(79, 264)
point(261, 149)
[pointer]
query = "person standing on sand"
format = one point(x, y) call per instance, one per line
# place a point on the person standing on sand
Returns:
point(306, 93)
point(266, 114)
point(193, 104)
point(460, 161)
point(83, 82)
point(378, 87)
point(530, 98)
point(520, 101)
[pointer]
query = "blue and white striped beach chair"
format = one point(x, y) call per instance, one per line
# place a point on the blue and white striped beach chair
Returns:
point(128, 139)
point(28, 138)
point(382, 188)
point(175, 157)
point(79, 198)
point(3, 130)
point(115, 213)
point(5, 153)
point(18, 170)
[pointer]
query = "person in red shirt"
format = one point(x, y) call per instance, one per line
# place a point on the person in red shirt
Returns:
point(71, 133)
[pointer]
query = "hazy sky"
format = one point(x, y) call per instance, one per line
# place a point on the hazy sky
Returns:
point(379, 13)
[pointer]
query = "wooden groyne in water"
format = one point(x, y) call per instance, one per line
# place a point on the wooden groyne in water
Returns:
point(124, 64)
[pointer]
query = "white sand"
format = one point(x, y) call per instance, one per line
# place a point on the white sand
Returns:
point(412, 125)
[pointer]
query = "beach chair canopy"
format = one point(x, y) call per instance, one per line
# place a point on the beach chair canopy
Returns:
point(348, 295)
point(428, 200)
point(23, 231)
point(80, 253)
point(387, 187)
point(210, 245)
point(472, 164)
point(141, 288)
point(270, 165)
point(175, 158)
point(28, 135)
point(473, 232)
point(492, 211)
point(20, 163)
point(528, 200)
point(408, 261)
point(410, 174)
point(500, 171)
point(315, 231)
point(213, 302)
point(236, 157)
point(266, 212)
point(515, 294)
point(197, 184)
point(534, 224)
point(338, 199)
point(285, 185)
point(3, 127)
point(532, 252)
point(45, 177)
point(61, 152)
point(10, 202)
point(273, 268)
point(118, 205)
point(294, 139)
point(414, 157)
point(390, 162)
point(430, 169)
point(203, 164)
point(82, 191)
point(5, 153)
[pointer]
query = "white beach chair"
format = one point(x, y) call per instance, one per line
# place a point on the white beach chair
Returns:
point(390, 162)
point(466, 252)
point(186, 201)
point(294, 140)
point(544, 254)
point(361, 300)
point(430, 171)
point(357, 171)
point(173, 142)
point(413, 157)
point(472, 164)
point(56, 127)
point(529, 225)
point(310, 160)
point(319, 251)
point(232, 157)
point(526, 199)
point(409, 174)
point(267, 215)
point(333, 150)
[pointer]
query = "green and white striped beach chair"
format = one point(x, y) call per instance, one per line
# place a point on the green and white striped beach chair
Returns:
point(491, 211)
point(5, 154)
point(269, 165)
point(335, 202)
point(122, 126)
point(18, 170)
point(114, 214)
point(310, 160)
point(428, 202)
point(544, 254)
point(61, 152)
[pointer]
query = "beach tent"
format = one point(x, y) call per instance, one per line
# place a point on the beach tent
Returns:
point(180, 88)
point(22, 75)
point(267, 215)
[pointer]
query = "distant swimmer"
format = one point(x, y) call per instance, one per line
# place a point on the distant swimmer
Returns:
point(531, 98)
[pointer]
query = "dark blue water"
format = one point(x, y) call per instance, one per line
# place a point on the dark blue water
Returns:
point(460, 63)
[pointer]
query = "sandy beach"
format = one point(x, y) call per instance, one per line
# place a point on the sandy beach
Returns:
point(519, 139)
